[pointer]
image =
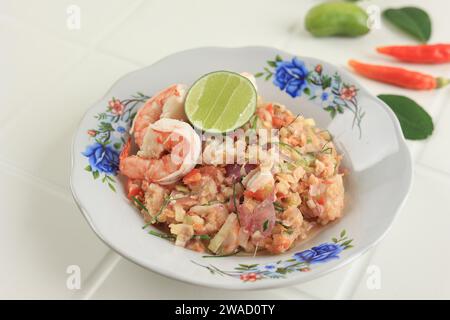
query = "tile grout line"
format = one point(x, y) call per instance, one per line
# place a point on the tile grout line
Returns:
point(354, 276)
point(111, 259)
point(102, 271)
point(295, 292)
point(54, 38)
point(109, 29)
point(438, 116)
point(98, 276)
point(49, 186)
point(88, 49)
point(433, 171)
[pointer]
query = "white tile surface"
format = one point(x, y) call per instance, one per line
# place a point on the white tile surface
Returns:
point(30, 60)
point(56, 16)
point(51, 74)
point(413, 258)
point(162, 27)
point(49, 130)
point(41, 235)
point(437, 153)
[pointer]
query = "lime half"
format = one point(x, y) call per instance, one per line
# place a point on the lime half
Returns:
point(220, 102)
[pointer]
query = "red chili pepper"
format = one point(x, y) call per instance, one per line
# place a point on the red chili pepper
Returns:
point(427, 53)
point(398, 76)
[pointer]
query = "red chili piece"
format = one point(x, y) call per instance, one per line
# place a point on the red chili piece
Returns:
point(398, 76)
point(427, 53)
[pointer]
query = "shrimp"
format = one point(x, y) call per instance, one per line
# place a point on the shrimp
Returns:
point(214, 216)
point(184, 147)
point(285, 233)
point(168, 103)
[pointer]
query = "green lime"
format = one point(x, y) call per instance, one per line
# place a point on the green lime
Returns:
point(220, 102)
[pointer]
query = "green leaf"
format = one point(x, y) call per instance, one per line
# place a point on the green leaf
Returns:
point(259, 74)
point(272, 63)
point(109, 178)
point(202, 237)
point(248, 266)
point(331, 110)
point(281, 270)
point(88, 168)
point(334, 240)
point(326, 82)
point(307, 91)
point(265, 225)
point(346, 243)
point(333, 113)
point(240, 269)
point(268, 76)
point(411, 20)
point(343, 232)
point(278, 58)
point(95, 174)
point(111, 187)
point(105, 127)
point(416, 123)
point(117, 145)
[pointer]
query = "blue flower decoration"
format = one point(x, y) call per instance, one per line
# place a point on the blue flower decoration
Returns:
point(321, 253)
point(324, 96)
point(291, 76)
point(269, 267)
point(102, 158)
point(121, 129)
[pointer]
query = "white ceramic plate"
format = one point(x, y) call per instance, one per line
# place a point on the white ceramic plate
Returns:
point(364, 129)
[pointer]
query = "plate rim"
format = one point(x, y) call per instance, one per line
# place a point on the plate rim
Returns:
point(238, 285)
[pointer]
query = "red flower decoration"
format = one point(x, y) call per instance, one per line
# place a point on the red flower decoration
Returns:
point(306, 269)
point(318, 69)
point(251, 277)
point(116, 106)
point(347, 93)
point(92, 133)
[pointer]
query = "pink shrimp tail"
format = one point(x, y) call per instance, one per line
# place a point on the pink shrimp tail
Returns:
point(151, 112)
point(124, 153)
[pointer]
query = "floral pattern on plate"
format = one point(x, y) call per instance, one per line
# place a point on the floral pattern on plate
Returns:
point(109, 137)
point(299, 261)
point(329, 91)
